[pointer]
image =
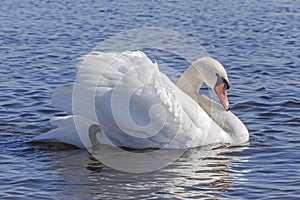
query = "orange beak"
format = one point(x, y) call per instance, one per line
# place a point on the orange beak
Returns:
point(222, 94)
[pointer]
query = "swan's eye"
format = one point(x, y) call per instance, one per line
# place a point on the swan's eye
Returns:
point(227, 86)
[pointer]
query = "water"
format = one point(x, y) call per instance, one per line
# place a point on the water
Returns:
point(258, 42)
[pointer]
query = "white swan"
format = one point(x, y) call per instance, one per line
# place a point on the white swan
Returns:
point(137, 106)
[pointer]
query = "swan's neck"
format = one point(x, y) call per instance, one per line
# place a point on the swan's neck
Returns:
point(190, 82)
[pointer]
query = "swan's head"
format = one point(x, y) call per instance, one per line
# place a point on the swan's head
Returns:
point(214, 75)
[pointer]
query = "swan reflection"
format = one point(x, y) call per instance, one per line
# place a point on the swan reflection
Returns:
point(192, 175)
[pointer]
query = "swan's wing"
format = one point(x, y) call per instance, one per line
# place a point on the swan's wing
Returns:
point(136, 104)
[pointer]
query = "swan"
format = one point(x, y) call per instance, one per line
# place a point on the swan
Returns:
point(133, 104)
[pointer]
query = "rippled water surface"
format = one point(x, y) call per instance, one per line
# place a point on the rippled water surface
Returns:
point(257, 41)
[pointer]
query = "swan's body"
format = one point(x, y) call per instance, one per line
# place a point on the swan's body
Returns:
point(137, 106)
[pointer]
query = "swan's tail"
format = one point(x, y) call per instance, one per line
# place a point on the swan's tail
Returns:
point(67, 132)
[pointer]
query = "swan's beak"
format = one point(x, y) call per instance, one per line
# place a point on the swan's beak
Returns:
point(222, 94)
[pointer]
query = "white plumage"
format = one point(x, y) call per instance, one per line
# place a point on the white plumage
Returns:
point(137, 106)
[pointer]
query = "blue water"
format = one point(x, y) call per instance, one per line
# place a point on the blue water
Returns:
point(257, 41)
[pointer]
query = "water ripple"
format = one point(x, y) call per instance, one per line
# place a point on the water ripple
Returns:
point(258, 44)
